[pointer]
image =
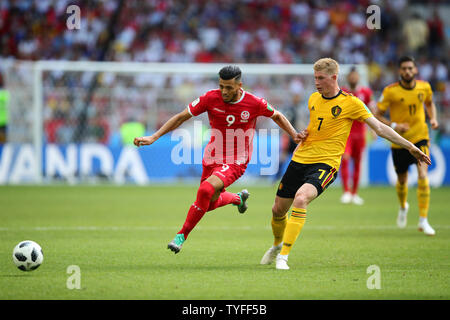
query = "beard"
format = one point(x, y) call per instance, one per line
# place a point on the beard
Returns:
point(231, 98)
point(353, 85)
point(407, 80)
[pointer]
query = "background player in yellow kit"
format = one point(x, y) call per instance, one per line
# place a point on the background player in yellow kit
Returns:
point(316, 160)
point(405, 101)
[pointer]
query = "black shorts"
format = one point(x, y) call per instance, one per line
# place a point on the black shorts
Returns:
point(292, 146)
point(403, 159)
point(319, 175)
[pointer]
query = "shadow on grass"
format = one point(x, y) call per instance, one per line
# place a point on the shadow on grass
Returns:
point(184, 268)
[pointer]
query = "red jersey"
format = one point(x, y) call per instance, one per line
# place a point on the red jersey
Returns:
point(232, 125)
point(359, 128)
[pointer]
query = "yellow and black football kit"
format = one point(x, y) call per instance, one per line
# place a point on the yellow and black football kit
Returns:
point(317, 159)
point(406, 105)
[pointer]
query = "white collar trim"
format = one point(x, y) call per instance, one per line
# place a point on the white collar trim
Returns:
point(242, 97)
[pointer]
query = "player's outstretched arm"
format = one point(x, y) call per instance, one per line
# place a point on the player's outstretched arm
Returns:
point(284, 124)
point(170, 125)
point(388, 133)
point(399, 127)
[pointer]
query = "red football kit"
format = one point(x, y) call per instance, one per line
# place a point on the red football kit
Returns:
point(229, 150)
point(232, 129)
point(355, 143)
point(358, 131)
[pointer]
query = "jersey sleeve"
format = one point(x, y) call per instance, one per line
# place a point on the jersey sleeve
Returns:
point(199, 105)
point(359, 110)
point(310, 101)
point(384, 102)
point(429, 94)
point(266, 109)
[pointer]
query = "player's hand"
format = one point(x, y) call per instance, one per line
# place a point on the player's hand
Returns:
point(300, 136)
point(402, 127)
point(144, 141)
point(419, 155)
point(434, 124)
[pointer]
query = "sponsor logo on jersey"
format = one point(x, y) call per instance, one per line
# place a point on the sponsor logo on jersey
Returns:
point(195, 102)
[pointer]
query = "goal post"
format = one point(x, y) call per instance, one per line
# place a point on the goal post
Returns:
point(54, 93)
point(188, 68)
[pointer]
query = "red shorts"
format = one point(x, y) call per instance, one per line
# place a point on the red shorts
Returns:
point(355, 147)
point(228, 173)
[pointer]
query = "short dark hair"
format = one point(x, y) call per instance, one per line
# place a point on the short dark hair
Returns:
point(406, 59)
point(230, 72)
point(353, 69)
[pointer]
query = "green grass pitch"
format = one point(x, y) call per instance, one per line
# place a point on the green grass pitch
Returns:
point(118, 237)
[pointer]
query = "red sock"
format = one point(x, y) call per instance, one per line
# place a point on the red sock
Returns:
point(356, 172)
point(198, 209)
point(344, 174)
point(224, 199)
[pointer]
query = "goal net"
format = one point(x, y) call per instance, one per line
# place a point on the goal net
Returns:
point(73, 122)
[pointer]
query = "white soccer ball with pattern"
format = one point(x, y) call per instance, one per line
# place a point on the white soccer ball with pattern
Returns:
point(28, 255)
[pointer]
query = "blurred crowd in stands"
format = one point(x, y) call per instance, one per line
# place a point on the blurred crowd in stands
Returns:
point(245, 31)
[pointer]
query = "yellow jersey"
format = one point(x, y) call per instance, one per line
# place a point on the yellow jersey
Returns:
point(330, 121)
point(407, 105)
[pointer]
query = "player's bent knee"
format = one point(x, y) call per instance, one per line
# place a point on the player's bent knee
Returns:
point(216, 182)
point(422, 173)
point(279, 210)
point(206, 190)
point(402, 178)
point(301, 200)
point(276, 212)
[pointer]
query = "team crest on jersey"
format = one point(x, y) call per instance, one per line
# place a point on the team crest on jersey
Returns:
point(336, 111)
point(420, 96)
point(245, 115)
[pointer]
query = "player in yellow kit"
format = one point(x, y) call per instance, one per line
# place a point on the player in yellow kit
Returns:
point(316, 160)
point(405, 102)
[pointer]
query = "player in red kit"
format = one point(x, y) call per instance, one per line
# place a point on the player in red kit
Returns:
point(232, 114)
point(355, 143)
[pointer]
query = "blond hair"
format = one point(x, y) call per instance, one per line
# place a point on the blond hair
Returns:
point(327, 65)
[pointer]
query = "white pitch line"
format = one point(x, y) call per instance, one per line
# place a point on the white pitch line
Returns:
point(158, 228)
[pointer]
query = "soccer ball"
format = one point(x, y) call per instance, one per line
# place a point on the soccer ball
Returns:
point(28, 255)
